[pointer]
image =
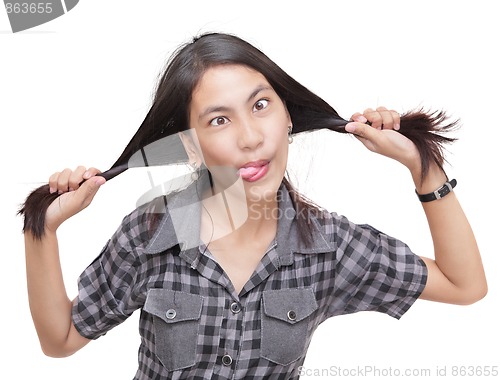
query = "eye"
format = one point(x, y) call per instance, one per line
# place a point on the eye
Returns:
point(260, 104)
point(219, 120)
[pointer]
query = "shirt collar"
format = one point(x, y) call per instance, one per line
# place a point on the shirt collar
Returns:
point(181, 225)
point(181, 222)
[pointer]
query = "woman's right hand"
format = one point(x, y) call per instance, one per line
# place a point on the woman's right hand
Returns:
point(73, 198)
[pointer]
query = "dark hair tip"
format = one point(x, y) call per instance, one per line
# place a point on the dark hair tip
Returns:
point(427, 129)
point(34, 209)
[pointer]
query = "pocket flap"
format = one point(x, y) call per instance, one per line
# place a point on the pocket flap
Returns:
point(173, 306)
point(289, 305)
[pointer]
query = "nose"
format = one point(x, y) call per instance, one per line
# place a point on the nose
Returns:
point(250, 136)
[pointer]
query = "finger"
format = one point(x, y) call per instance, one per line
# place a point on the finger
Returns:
point(397, 120)
point(76, 177)
point(359, 118)
point(90, 172)
point(63, 181)
point(363, 131)
point(387, 118)
point(391, 119)
point(88, 190)
point(373, 117)
point(53, 182)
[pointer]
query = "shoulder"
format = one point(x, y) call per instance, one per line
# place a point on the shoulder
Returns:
point(332, 224)
point(344, 233)
point(139, 226)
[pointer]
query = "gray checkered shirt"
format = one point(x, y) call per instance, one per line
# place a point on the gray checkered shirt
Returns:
point(194, 325)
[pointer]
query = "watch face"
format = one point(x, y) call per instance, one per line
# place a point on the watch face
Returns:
point(446, 189)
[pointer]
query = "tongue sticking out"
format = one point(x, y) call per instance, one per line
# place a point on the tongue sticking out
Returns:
point(249, 172)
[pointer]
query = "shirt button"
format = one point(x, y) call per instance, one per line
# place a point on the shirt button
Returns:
point(292, 315)
point(227, 360)
point(235, 308)
point(170, 314)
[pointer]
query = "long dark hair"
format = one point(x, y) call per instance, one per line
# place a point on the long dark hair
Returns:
point(169, 115)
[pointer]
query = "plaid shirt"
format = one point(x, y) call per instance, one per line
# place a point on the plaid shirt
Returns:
point(194, 325)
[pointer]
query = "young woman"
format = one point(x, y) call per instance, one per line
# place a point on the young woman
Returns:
point(234, 272)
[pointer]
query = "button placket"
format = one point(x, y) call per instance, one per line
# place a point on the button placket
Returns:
point(232, 333)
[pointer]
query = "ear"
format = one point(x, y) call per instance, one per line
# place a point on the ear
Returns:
point(191, 146)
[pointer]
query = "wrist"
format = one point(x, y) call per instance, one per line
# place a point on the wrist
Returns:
point(45, 243)
point(439, 193)
point(434, 179)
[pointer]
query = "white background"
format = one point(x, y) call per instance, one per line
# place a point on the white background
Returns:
point(74, 90)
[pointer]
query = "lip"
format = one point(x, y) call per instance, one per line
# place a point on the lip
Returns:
point(262, 167)
point(254, 164)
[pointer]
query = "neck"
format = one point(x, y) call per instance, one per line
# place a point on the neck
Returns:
point(231, 214)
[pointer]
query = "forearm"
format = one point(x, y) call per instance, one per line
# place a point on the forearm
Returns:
point(49, 304)
point(455, 249)
point(456, 275)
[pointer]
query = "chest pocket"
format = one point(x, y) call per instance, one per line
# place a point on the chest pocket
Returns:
point(285, 323)
point(176, 318)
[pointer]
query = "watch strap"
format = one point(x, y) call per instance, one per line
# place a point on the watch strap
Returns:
point(439, 193)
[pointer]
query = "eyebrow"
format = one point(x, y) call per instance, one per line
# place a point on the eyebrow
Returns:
point(213, 109)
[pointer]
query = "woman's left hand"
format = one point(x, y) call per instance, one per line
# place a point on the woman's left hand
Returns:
point(382, 135)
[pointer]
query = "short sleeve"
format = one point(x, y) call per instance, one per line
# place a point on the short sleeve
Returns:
point(106, 295)
point(373, 271)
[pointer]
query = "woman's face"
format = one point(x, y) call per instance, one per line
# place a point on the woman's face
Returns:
point(242, 129)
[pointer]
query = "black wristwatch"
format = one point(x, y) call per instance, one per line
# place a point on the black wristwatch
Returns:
point(439, 193)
